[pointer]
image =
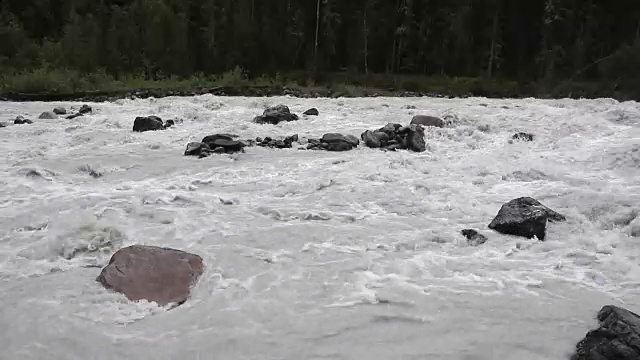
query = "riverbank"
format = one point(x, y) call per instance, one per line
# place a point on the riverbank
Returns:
point(62, 85)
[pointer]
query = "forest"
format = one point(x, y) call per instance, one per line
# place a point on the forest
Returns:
point(590, 47)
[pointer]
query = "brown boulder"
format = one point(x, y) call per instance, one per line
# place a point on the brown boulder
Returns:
point(426, 120)
point(152, 273)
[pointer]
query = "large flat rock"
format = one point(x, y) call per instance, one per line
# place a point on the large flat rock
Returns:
point(152, 273)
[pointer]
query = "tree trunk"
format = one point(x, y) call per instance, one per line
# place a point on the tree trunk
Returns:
point(315, 47)
point(494, 36)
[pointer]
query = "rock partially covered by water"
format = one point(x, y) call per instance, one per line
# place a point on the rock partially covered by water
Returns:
point(426, 120)
point(525, 217)
point(474, 238)
point(396, 137)
point(617, 338)
point(60, 110)
point(334, 142)
point(152, 273)
point(49, 115)
point(522, 136)
point(285, 143)
point(147, 123)
point(275, 115)
point(312, 112)
point(214, 144)
point(21, 120)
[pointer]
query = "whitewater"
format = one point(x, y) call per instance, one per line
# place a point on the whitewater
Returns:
point(313, 254)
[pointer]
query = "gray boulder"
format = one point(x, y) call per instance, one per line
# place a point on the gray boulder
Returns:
point(426, 120)
point(49, 115)
point(152, 273)
point(147, 123)
point(60, 110)
point(275, 115)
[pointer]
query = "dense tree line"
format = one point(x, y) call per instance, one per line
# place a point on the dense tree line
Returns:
point(522, 40)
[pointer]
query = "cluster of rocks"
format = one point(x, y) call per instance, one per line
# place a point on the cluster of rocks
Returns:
point(396, 137)
point(214, 144)
point(151, 123)
point(286, 143)
point(61, 111)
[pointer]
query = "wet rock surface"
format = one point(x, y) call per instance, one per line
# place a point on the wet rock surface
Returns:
point(275, 115)
point(617, 337)
point(426, 120)
point(152, 273)
point(396, 137)
point(525, 217)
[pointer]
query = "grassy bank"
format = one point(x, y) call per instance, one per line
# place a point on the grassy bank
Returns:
point(59, 84)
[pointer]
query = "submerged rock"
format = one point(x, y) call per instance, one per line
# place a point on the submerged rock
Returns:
point(617, 338)
point(524, 217)
point(169, 123)
point(49, 115)
point(214, 144)
point(312, 112)
point(474, 238)
point(426, 120)
point(152, 273)
point(85, 109)
point(275, 115)
point(522, 136)
point(147, 123)
point(21, 120)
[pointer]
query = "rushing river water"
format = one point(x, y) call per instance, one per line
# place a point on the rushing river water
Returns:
point(318, 255)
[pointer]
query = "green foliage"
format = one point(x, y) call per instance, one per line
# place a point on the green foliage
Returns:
point(455, 47)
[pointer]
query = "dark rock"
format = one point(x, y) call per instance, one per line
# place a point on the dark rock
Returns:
point(524, 217)
point(48, 115)
point(152, 273)
point(414, 138)
point(148, 123)
point(85, 109)
point(395, 136)
point(617, 338)
point(275, 115)
point(312, 112)
point(60, 111)
point(426, 120)
point(2, 125)
point(338, 142)
point(474, 238)
point(523, 136)
point(74, 116)
point(197, 149)
point(224, 141)
point(219, 150)
point(169, 123)
point(285, 143)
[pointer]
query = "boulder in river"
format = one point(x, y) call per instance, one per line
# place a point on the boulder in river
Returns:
point(396, 137)
point(49, 115)
point(221, 144)
point(426, 120)
point(152, 273)
point(147, 123)
point(522, 136)
point(275, 115)
point(21, 120)
point(312, 112)
point(525, 217)
point(334, 142)
point(474, 238)
point(60, 110)
point(617, 338)
point(85, 109)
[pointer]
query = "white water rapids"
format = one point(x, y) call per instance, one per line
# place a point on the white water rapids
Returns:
point(318, 255)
